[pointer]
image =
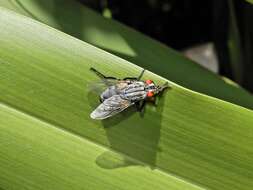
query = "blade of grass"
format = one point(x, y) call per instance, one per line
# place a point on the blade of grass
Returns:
point(44, 74)
point(54, 159)
point(234, 44)
point(250, 1)
point(79, 21)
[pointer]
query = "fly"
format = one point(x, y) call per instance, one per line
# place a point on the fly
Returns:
point(123, 93)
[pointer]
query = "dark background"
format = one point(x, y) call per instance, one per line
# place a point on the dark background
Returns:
point(184, 23)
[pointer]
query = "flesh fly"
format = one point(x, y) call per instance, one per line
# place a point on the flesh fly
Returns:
point(123, 93)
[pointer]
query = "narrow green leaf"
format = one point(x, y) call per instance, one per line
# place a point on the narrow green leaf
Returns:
point(44, 76)
point(234, 44)
point(250, 1)
point(35, 155)
point(79, 21)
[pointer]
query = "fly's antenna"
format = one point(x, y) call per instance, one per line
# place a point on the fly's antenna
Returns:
point(140, 76)
point(100, 75)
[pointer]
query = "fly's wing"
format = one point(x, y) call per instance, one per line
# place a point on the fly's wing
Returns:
point(99, 87)
point(110, 107)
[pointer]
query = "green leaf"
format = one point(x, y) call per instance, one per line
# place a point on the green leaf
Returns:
point(250, 1)
point(234, 44)
point(48, 141)
point(36, 155)
point(80, 22)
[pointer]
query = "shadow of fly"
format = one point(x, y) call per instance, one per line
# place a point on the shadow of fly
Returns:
point(123, 93)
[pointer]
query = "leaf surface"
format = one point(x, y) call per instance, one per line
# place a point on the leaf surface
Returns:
point(83, 23)
point(49, 140)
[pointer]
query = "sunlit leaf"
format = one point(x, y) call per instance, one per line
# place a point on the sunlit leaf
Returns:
point(48, 141)
point(74, 19)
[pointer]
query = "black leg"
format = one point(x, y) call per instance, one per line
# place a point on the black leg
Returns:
point(154, 102)
point(142, 72)
point(100, 75)
point(135, 78)
point(114, 78)
point(163, 87)
point(130, 78)
point(140, 105)
point(137, 105)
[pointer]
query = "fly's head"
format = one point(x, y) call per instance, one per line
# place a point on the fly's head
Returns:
point(152, 90)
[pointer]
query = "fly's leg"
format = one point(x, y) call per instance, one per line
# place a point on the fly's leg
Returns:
point(140, 106)
point(140, 76)
point(135, 78)
point(100, 75)
point(154, 101)
point(103, 77)
point(137, 105)
point(163, 87)
point(130, 78)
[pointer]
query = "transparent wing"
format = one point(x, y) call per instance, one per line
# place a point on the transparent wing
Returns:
point(99, 87)
point(110, 107)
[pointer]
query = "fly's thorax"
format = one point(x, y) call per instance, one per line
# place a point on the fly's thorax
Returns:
point(133, 87)
point(134, 96)
point(135, 91)
point(122, 84)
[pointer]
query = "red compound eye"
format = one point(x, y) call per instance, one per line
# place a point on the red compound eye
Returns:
point(150, 94)
point(149, 81)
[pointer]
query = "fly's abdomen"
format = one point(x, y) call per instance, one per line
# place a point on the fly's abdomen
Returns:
point(109, 92)
point(114, 90)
